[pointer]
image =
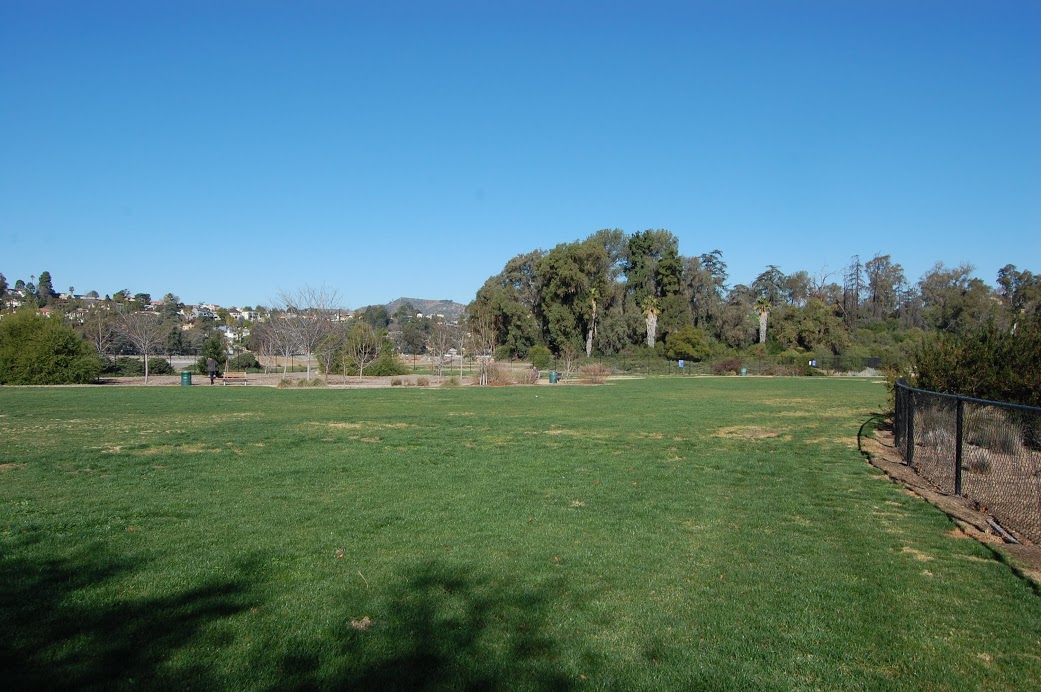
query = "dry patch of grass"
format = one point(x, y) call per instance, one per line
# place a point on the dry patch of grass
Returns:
point(849, 442)
point(10, 467)
point(358, 425)
point(746, 432)
point(916, 554)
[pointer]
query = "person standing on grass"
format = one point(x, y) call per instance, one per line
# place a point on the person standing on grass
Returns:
point(211, 369)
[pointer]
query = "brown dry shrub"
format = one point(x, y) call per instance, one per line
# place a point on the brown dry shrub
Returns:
point(727, 366)
point(529, 376)
point(499, 375)
point(594, 373)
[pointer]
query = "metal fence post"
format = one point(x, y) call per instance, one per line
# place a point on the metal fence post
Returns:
point(909, 430)
point(960, 418)
point(900, 402)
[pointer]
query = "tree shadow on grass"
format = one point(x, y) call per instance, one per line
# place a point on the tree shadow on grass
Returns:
point(438, 628)
point(59, 632)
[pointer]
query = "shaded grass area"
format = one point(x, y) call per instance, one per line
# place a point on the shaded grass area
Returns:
point(683, 534)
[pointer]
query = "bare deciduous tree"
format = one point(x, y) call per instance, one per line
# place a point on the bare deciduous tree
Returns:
point(480, 339)
point(312, 309)
point(100, 329)
point(145, 330)
point(328, 347)
point(568, 358)
point(442, 337)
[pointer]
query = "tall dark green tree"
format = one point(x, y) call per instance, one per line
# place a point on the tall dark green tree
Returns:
point(770, 285)
point(572, 278)
point(1020, 291)
point(704, 282)
point(45, 288)
point(953, 300)
point(885, 281)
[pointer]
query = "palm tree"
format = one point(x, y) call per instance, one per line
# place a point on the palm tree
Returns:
point(593, 295)
point(762, 308)
point(650, 314)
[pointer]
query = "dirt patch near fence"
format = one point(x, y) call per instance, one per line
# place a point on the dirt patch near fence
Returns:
point(1024, 557)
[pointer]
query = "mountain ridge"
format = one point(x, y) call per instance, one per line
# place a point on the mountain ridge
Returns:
point(449, 308)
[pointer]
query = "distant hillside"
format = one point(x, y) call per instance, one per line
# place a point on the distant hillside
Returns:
point(450, 309)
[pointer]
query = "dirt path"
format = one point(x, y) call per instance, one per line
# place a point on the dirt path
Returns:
point(273, 379)
point(882, 453)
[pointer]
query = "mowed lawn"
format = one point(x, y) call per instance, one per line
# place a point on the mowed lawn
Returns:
point(685, 533)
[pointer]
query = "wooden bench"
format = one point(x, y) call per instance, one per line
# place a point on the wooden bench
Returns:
point(234, 378)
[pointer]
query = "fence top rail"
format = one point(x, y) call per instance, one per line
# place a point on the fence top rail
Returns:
point(958, 397)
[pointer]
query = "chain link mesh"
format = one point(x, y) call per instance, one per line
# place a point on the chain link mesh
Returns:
point(992, 456)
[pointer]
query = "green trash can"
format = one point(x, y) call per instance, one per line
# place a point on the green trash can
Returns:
point(552, 376)
point(186, 378)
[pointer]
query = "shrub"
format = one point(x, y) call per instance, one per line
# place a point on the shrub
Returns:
point(452, 381)
point(40, 350)
point(594, 373)
point(540, 357)
point(528, 376)
point(422, 381)
point(395, 382)
point(499, 375)
point(385, 366)
point(244, 361)
point(727, 366)
point(986, 363)
point(128, 366)
point(687, 343)
point(211, 348)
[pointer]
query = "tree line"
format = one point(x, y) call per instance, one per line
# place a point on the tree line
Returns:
point(615, 293)
point(612, 293)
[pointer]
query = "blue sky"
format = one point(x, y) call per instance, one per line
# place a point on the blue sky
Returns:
point(227, 150)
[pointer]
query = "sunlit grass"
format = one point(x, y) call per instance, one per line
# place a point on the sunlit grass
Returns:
point(647, 534)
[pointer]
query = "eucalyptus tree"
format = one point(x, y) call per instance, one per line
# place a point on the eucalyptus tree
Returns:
point(885, 281)
point(737, 327)
point(852, 292)
point(954, 300)
point(1020, 291)
point(568, 278)
point(704, 286)
point(512, 318)
point(770, 285)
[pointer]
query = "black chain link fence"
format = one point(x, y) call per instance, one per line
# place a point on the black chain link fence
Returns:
point(986, 451)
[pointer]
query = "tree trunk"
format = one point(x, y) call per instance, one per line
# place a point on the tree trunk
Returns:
point(763, 317)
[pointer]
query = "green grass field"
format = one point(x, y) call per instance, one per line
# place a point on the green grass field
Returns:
point(648, 534)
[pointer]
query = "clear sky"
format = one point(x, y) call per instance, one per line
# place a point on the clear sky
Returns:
point(226, 150)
